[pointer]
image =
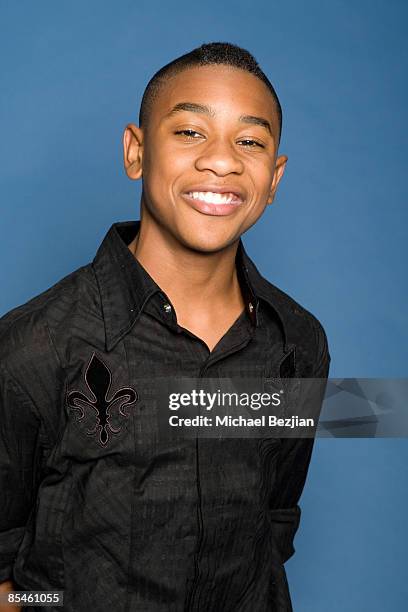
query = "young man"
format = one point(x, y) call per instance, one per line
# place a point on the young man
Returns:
point(94, 503)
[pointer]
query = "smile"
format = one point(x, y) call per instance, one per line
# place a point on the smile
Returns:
point(211, 197)
point(214, 203)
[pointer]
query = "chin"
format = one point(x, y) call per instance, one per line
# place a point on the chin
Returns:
point(207, 244)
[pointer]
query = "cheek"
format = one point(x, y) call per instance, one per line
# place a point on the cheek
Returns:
point(262, 176)
point(264, 173)
point(164, 165)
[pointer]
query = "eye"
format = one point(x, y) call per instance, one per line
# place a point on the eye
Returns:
point(248, 142)
point(189, 134)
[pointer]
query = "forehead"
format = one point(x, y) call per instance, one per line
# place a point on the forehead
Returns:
point(229, 90)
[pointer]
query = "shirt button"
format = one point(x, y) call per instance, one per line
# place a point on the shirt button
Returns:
point(167, 307)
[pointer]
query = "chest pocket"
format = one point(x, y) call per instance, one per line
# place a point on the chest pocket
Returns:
point(287, 366)
point(282, 381)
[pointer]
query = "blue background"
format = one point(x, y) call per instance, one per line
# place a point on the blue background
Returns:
point(72, 76)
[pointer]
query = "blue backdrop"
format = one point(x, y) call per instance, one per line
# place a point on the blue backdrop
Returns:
point(72, 76)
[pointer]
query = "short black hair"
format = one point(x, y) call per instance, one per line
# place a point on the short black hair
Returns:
point(206, 55)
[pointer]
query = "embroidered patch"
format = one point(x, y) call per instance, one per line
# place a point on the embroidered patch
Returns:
point(100, 405)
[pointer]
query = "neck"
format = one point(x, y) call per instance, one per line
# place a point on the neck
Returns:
point(208, 279)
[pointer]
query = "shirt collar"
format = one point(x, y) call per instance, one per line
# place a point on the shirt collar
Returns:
point(125, 286)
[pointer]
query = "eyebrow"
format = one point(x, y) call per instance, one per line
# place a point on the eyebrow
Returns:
point(210, 112)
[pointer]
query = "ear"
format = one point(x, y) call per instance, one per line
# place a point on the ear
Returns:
point(277, 175)
point(133, 151)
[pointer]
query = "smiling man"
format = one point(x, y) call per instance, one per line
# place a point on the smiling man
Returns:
point(96, 504)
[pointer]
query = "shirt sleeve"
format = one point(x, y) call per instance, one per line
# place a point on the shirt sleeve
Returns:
point(19, 454)
point(293, 464)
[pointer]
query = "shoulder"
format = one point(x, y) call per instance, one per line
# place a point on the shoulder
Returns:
point(25, 331)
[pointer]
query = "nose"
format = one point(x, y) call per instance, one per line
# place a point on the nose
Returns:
point(220, 157)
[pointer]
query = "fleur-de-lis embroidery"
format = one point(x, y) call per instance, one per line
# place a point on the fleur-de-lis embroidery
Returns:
point(98, 379)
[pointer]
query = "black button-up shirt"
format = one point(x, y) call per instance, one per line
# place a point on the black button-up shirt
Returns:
point(93, 501)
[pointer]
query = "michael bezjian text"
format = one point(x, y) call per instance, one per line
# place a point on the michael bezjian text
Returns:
point(240, 421)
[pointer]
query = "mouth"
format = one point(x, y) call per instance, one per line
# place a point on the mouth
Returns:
point(217, 203)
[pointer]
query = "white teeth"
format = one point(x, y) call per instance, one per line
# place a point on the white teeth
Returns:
point(213, 198)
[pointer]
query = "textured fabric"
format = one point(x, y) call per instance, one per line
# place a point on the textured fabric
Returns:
point(93, 501)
